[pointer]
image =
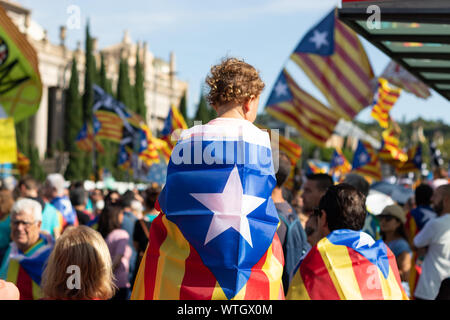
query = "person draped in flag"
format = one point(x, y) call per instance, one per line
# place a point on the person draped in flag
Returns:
point(54, 190)
point(25, 259)
point(346, 264)
point(215, 237)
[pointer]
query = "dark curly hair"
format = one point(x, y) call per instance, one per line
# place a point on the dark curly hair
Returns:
point(234, 81)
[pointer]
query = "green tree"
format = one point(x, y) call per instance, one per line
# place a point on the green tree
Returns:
point(139, 90)
point(203, 113)
point(36, 170)
point(88, 96)
point(73, 118)
point(183, 106)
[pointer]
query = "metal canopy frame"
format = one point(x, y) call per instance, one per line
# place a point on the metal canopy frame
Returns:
point(350, 16)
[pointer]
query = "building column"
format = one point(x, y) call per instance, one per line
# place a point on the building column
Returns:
point(40, 126)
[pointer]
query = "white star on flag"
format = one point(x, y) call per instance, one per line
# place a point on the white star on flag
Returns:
point(364, 240)
point(363, 157)
point(281, 89)
point(319, 39)
point(230, 208)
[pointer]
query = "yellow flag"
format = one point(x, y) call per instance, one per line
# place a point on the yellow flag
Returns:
point(8, 147)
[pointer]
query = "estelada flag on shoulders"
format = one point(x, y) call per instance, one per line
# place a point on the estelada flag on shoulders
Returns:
point(215, 236)
point(347, 265)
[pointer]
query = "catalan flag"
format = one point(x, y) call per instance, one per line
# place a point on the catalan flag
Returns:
point(85, 140)
point(110, 125)
point(148, 150)
point(390, 150)
point(414, 162)
point(174, 122)
point(339, 165)
point(384, 101)
point(333, 58)
point(24, 269)
point(366, 161)
point(215, 236)
point(401, 78)
point(292, 105)
point(347, 265)
point(316, 166)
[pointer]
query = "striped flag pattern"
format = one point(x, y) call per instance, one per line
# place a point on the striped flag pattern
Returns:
point(339, 165)
point(347, 265)
point(385, 100)
point(338, 65)
point(292, 105)
point(414, 162)
point(401, 78)
point(366, 161)
point(85, 140)
point(111, 126)
point(390, 151)
point(174, 121)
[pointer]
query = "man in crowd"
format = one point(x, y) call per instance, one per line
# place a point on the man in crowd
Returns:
point(55, 191)
point(346, 264)
point(25, 258)
point(419, 216)
point(314, 188)
point(291, 233)
point(434, 239)
point(51, 218)
point(78, 198)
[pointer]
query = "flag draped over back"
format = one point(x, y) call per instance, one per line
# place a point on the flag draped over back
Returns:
point(295, 107)
point(333, 58)
point(215, 237)
point(401, 78)
point(25, 269)
point(385, 100)
point(366, 161)
point(348, 265)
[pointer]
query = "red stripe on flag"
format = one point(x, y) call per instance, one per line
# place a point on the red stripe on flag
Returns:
point(198, 282)
point(158, 234)
point(328, 86)
point(258, 285)
point(316, 277)
point(24, 284)
point(366, 274)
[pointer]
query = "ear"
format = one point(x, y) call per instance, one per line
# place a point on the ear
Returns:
point(246, 105)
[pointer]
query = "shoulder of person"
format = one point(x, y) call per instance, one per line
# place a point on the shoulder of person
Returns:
point(118, 234)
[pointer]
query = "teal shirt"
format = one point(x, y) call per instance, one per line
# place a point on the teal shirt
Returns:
point(50, 219)
point(5, 231)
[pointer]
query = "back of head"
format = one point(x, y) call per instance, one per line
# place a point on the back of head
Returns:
point(56, 180)
point(6, 202)
point(284, 169)
point(109, 218)
point(423, 194)
point(79, 249)
point(78, 196)
point(233, 81)
point(357, 181)
point(344, 206)
point(323, 180)
point(127, 197)
point(151, 195)
point(28, 183)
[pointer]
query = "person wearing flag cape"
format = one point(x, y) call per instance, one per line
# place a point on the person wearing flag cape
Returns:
point(215, 236)
point(347, 263)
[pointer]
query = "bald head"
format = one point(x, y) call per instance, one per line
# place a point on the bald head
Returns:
point(441, 199)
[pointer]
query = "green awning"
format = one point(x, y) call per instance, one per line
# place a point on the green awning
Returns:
point(416, 38)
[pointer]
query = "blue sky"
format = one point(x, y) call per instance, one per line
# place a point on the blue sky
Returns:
point(201, 32)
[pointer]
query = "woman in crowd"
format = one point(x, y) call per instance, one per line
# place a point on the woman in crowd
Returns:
point(109, 226)
point(6, 204)
point(392, 228)
point(79, 267)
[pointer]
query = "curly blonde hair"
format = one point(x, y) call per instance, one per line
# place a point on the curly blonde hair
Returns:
point(233, 81)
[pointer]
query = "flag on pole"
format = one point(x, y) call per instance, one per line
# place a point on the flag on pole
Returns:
point(85, 139)
point(333, 58)
point(384, 101)
point(347, 265)
point(290, 104)
point(316, 166)
point(366, 161)
point(172, 127)
point(109, 126)
point(401, 78)
point(414, 162)
point(390, 151)
point(215, 236)
point(339, 165)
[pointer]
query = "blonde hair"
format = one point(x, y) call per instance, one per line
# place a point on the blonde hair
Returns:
point(85, 248)
point(233, 81)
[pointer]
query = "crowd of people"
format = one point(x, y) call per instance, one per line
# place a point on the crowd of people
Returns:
point(73, 243)
point(47, 228)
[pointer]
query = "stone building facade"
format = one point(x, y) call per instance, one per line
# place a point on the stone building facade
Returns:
point(162, 87)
